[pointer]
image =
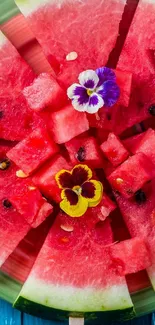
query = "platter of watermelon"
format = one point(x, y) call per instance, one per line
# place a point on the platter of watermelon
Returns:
point(77, 158)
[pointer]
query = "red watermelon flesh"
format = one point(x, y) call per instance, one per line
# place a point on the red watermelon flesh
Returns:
point(80, 32)
point(131, 175)
point(139, 215)
point(78, 265)
point(138, 57)
point(44, 92)
point(16, 120)
point(133, 142)
point(130, 256)
point(45, 177)
point(85, 150)
point(114, 150)
point(67, 123)
point(147, 145)
point(33, 151)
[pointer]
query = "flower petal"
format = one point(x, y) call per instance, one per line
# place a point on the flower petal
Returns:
point(71, 89)
point(81, 173)
point(95, 103)
point(110, 93)
point(88, 79)
point(64, 179)
point(76, 102)
point(72, 204)
point(105, 74)
point(92, 191)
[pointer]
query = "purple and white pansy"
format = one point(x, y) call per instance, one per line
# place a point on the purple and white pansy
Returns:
point(95, 90)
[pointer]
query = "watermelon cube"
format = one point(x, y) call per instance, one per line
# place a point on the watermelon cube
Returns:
point(132, 143)
point(31, 152)
point(44, 92)
point(147, 145)
point(67, 124)
point(130, 256)
point(29, 202)
point(124, 80)
point(114, 150)
point(131, 175)
point(85, 150)
point(45, 177)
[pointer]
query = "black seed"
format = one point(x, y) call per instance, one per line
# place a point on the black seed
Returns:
point(7, 204)
point(152, 109)
point(81, 154)
point(140, 197)
point(1, 114)
point(4, 164)
point(108, 116)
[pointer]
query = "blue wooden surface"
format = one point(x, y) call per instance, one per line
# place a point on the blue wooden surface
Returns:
point(10, 316)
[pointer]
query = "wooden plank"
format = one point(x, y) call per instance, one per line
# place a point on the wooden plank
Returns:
point(8, 315)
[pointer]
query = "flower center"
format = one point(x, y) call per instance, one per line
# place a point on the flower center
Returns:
point(77, 189)
point(90, 92)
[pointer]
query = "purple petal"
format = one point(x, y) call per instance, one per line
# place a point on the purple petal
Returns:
point(93, 100)
point(105, 74)
point(110, 93)
point(81, 92)
point(89, 84)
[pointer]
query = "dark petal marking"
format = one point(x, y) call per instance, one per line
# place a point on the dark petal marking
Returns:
point(105, 74)
point(81, 92)
point(93, 100)
point(110, 93)
point(71, 196)
point(80, 175)
point(89, 84)
point(66, 180)
point(81, 154)
point(88, 190)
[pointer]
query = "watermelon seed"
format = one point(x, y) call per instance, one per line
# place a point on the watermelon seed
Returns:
point(1, 114)
point(140, 196)
point(4, 164)
point(21, 174)
point(68, 228)
point(81, 155)
point(119, 180)
point(7, 204)
point(32, 188)
point(71, 56)
point(152, 109)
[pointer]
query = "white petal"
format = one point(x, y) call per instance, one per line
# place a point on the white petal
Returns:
point(77, 106)
point(70, 90)
point(94, 108)
point(87, 75)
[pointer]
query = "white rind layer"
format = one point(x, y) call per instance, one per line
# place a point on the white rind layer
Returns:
point(27, 7)
point(76, 299)
point(3, 39)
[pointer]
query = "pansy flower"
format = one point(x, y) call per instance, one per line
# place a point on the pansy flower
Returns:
point(79, 190)
point(95, 90)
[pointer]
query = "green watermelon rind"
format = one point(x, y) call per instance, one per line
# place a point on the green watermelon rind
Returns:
point(29, 6)
point(45, 312)
point(43, 299)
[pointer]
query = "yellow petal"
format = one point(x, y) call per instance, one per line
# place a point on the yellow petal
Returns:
point(98, 193)
point(74, 210)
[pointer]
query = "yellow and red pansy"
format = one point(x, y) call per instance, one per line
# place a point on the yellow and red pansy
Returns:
point(79, 190)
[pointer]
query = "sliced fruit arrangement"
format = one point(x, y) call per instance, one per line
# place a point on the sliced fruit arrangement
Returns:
point(64, 129)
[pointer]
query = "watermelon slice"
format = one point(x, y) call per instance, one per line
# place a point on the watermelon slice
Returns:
point(33, 151)
point(16, 120)
point(71, 47)
point(133, 142)
point(138, 57)
point(61, 289)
